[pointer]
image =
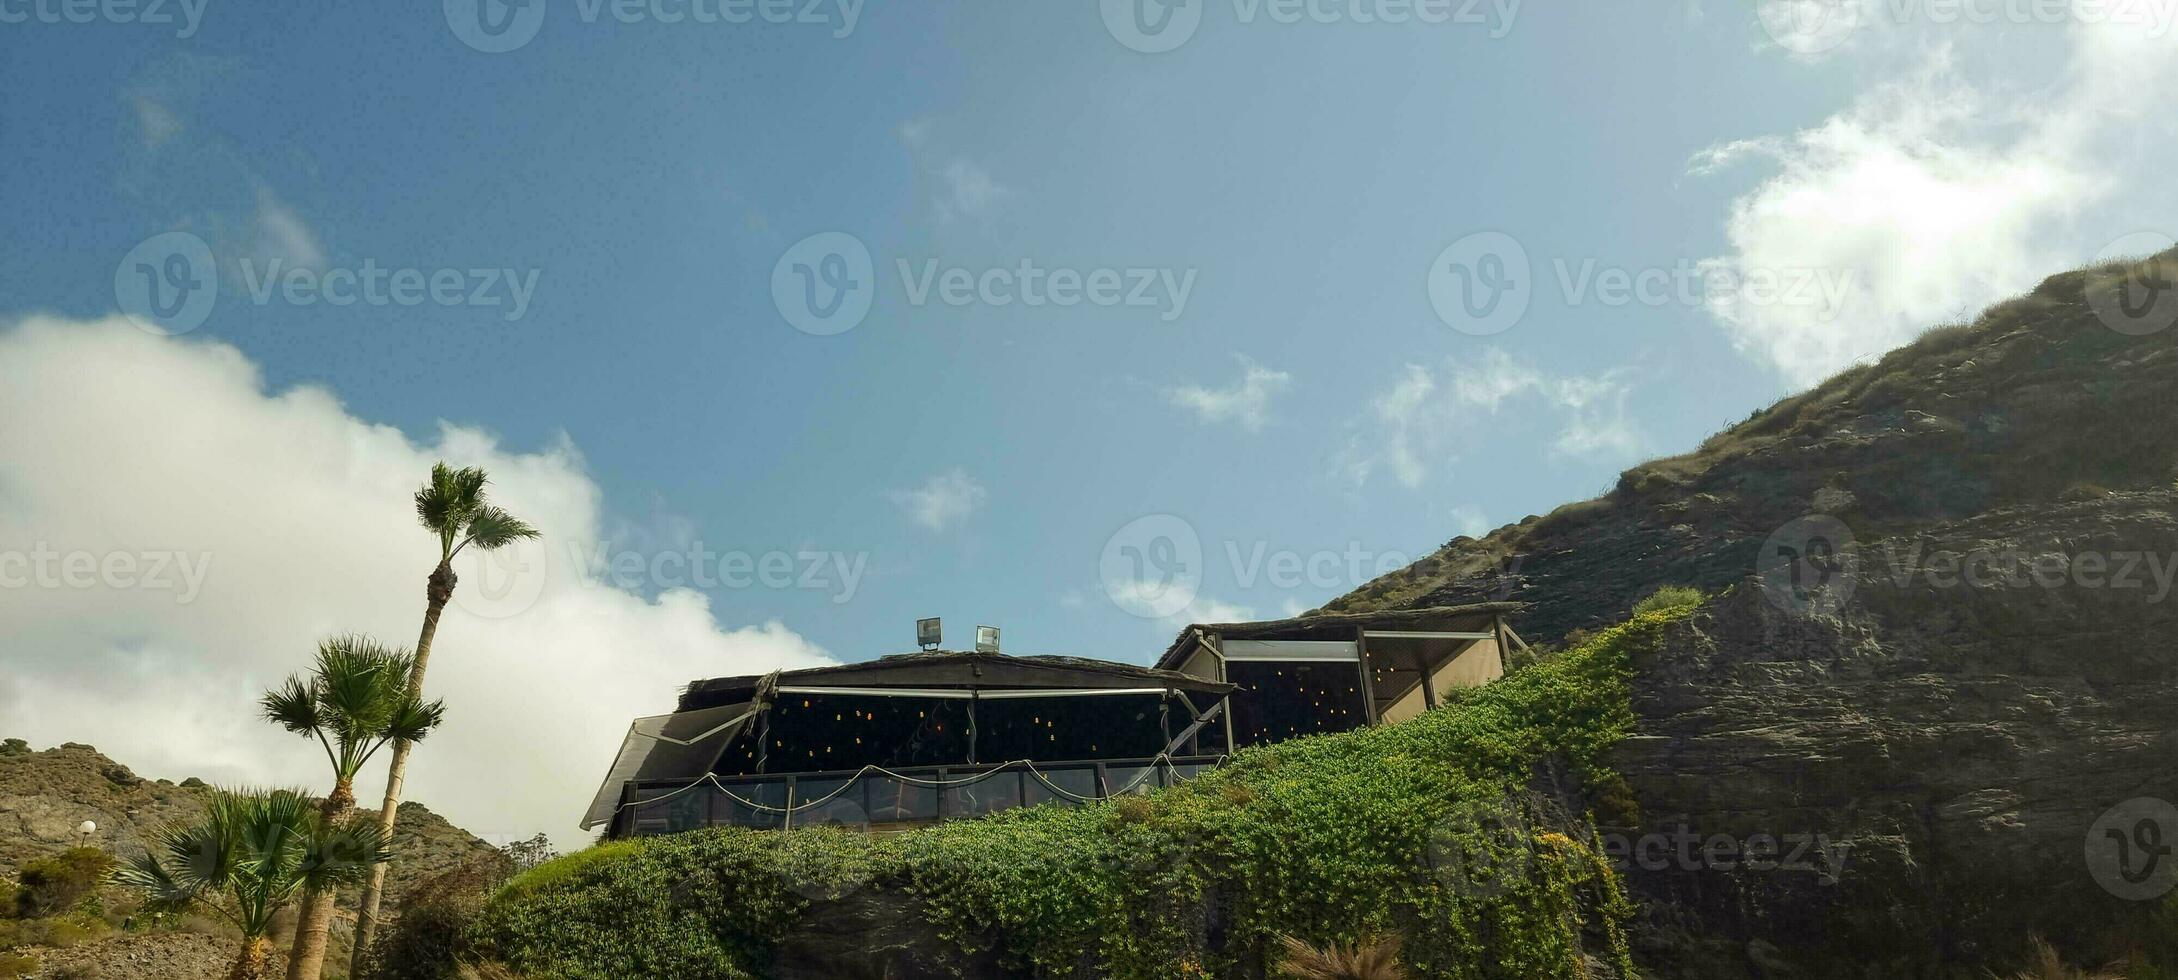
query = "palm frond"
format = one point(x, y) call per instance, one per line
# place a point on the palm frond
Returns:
point(249, 847)
point(359, 684)
point(492, 528)
point(414, 719)
point(163, 891)
point(448, 500)
point(355, 700)
point(293, 706)
point(342, 854)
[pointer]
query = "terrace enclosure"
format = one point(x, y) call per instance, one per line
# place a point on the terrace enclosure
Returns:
point(934, 735)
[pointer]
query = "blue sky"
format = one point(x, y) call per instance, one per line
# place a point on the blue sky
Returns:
point(1304, 178)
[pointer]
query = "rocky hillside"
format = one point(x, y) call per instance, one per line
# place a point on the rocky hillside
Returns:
point(2038, 398)
point(1941, 645)
point(45, 796)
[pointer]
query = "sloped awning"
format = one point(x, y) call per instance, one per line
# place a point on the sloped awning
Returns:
point(942, 673)
point(683, 745)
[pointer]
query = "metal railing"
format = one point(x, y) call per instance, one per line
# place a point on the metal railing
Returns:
point(869, 798)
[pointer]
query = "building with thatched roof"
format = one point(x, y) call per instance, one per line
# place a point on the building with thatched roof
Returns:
point(934, 735)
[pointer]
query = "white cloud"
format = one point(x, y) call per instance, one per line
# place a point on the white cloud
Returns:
point(283, 234)
point(943, 500)
point(1938, 194)
point(966, 189)
point(971, 192)
point(120, 443)
point(1246, 401)
point(156, 122)
point(1424, 416)
point(1146, 598)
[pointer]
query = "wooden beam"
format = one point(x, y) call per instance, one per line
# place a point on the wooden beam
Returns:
point(1429, 635)
point(1368, 686)
point(1213, 644)
point(1429, 680)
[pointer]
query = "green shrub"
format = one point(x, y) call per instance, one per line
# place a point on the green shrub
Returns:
point(55, 931)
point(426, 942)
point(14, 746)
point(59, 883)
point(1330, 839)
point(16, 965)
point(1669, 597)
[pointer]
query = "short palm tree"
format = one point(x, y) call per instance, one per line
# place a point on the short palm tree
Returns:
point(1376, 959)
point(2047, 965)
point(250, 856)
point(451, 506)
point(355, 701)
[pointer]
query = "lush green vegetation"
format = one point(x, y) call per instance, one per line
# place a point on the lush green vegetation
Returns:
point(1668, 597)
point(1332, 839)
point(57, 884)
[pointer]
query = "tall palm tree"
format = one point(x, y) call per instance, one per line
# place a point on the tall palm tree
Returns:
point(355, 701)
point(452, 506)
point(246, 860)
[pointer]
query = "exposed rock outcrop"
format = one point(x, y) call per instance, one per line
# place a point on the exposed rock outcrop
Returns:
point(1945, 645)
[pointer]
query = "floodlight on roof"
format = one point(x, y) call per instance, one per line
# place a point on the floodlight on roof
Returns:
point(928, 635)
point(986, 639)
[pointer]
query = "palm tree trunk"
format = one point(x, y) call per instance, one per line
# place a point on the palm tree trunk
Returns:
point(255, 960)
point(314, 924)
point(437, 592)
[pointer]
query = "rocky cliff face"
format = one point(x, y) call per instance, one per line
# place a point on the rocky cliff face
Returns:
point(45, 796)
point(1953, 744)
point(2037, 398)
point(1944, 649)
